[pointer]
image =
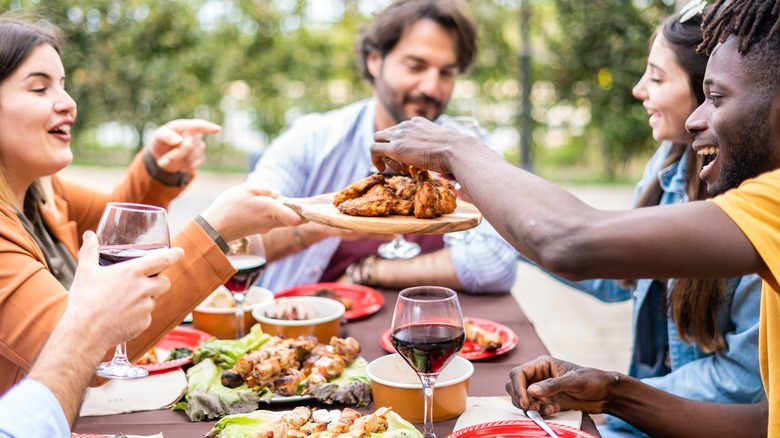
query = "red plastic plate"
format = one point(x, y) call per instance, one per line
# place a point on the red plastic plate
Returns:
point(365, 300)
point(178, 337)
point(516, 429)
point(470, 350)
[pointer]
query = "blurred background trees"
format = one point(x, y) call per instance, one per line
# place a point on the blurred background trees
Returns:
point(255, 65)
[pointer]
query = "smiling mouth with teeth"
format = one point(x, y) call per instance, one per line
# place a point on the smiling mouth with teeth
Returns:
point(65, 129)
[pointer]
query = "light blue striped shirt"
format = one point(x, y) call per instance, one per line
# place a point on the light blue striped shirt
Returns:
point(323, 153)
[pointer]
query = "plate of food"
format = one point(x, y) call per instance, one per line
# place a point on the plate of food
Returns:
point(484, 339)
point(516, 429)
point(359, 300)
point(232, 376)
point(174, 349)
point(391, 205)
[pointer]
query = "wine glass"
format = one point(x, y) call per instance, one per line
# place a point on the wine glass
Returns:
point(127, 231)
point(247, 255)
point(399, 248)
point(427, 331)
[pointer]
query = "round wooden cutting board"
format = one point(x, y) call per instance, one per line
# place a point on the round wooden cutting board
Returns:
point(320, 209)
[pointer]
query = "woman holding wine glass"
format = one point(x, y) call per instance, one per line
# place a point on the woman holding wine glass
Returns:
point(42, 216)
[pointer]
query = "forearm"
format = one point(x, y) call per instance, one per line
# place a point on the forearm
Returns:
point(434, 269)
point(67, 362)
point(283, 242)
point(659, 413)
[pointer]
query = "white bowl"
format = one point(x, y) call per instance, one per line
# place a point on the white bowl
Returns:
point(323, 317)
point(221, 321)
point(395, 385)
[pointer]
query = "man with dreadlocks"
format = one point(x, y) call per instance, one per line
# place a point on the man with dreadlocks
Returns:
point(735, 233)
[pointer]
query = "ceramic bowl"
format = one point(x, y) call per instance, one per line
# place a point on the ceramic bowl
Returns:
point(395, 385)
point(318, 316)
point(217, 316)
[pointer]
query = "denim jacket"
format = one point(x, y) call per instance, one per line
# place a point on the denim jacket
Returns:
point(659, 357)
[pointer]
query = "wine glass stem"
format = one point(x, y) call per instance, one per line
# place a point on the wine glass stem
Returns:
point(427, 383)
point(120, 354)
point(240, 327)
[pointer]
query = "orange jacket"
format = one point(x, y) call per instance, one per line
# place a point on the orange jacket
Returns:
point(32, 300)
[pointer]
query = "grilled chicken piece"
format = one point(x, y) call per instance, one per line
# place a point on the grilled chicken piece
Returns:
point(398, 205)
point(323, 369)
point(274, 429)
point(348, 347)
point(427, 198)
point(297, 417)
point(358, 188)
point(403, 186)
point(447, 200)
point(287, 383)
point(366, 206)
point(486, 340)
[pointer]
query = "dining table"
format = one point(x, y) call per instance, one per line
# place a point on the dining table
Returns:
point(489, 378)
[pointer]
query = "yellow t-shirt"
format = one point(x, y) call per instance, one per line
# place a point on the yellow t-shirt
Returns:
point(755, 208)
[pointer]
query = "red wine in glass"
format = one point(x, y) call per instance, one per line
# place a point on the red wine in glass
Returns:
point(121, 253)
point(427, 331)
point(250, 268)
point(428, 348)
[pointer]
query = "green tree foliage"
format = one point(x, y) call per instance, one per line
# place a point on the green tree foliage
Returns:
point(141, 63)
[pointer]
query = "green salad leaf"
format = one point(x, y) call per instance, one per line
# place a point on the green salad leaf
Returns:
point(225, 352)
point(242, 425)
point(352, 387)
point(208, 399)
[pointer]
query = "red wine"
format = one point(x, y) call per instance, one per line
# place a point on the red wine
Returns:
point(122, 253)
point(250, 267)
point(428, 347)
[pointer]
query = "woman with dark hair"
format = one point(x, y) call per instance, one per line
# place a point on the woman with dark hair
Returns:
point(694, 338)
point(43, 216)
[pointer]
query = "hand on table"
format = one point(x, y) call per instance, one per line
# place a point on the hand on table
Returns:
point(178, 145)
point(550, 385)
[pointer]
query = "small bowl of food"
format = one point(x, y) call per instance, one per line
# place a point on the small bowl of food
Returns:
point(216, 315)
point(300, 316)
point(395, 385)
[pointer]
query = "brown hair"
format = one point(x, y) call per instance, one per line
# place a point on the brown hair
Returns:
point(389, 26)
point(19, 36)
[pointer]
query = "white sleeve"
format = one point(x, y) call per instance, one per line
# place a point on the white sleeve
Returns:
point(30, 410)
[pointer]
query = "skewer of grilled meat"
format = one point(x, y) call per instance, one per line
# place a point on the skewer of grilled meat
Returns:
point(259, 368)
point(487, 340)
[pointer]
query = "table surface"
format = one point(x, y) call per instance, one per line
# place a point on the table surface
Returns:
point(489, 377)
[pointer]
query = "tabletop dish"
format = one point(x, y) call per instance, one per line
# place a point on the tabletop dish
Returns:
point(470, 350)
point(320, 209)
point(179, 337)
point(365, 300)
point(516, 429)
point(300, 316)
point(214, 315)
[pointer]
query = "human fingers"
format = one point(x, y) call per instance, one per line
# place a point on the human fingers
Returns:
point(192, 126)
point(152, 264)
point(90, 249)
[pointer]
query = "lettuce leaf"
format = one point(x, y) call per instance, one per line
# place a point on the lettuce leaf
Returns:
point(225, 352)
point(352, 387)
point(208, 399)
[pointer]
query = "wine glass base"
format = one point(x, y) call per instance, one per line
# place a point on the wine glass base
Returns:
point(405, 250)
point(113, 370)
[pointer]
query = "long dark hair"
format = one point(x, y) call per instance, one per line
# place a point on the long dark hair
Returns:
point(693, 303)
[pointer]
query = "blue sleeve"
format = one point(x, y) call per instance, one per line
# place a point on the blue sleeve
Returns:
point(484, 262)
point(283, 165)
point(732, 375)
point(31, 410)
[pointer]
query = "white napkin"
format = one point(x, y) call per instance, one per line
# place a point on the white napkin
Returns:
point(486, 409)
point(157, 391)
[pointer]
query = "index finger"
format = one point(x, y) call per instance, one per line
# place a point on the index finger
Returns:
point(193, 126)
point(156, 261)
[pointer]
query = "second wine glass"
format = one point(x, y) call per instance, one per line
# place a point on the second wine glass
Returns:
point(247, 255)
point(427, 331)
point(127, 231)
point(399, 248)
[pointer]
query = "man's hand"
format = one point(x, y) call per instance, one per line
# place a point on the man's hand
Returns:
point(178, 145)
point(550, 385)
point(117, 300)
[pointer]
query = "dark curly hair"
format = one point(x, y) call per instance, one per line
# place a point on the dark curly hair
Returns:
point(389, 25)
